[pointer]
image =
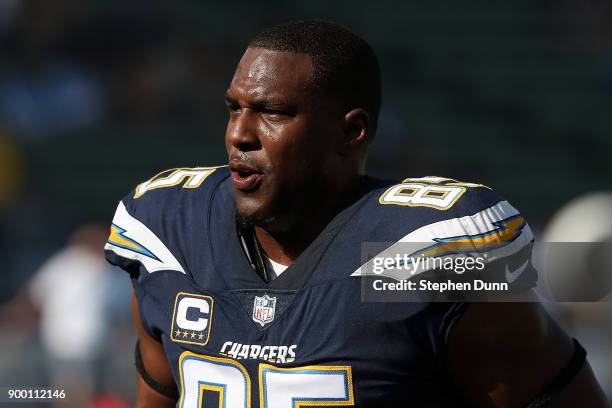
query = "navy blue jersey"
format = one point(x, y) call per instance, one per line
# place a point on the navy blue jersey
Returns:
point(307, 338)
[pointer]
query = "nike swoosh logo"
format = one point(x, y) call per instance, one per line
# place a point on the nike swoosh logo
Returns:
point(512, 276)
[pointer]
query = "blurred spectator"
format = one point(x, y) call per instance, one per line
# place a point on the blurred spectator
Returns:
point(70, 292)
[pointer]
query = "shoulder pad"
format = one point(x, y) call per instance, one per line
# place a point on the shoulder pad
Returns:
point(437, 217)
point(146, 220)
point(177, 178)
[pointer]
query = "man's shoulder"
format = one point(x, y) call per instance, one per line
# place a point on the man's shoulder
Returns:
point(439, 209)
point(181, 180)
point(154, 221)
point(432, 198)
point(437, 216)
point(175, 189)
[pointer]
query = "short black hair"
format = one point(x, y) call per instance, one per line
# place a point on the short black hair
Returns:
point(345, 67)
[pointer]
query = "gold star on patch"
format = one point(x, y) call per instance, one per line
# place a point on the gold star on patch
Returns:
point(177, 333)
point(200, 336)
point(185, 333)
point(193, 335)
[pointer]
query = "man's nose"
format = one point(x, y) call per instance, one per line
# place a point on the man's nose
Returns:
point(242, 131)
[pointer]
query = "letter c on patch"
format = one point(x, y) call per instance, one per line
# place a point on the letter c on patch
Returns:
point(187, 303)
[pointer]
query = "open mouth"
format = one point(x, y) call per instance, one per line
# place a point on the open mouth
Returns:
point(244, 177)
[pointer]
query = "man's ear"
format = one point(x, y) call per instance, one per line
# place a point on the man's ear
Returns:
point(356, 130)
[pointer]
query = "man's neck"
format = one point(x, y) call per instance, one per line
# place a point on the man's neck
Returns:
point(285, 246)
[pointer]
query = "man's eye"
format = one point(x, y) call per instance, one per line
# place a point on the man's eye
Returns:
point(274, 115)
point(233, 108)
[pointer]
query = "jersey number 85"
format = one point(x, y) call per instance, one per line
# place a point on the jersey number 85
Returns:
point(278, 387)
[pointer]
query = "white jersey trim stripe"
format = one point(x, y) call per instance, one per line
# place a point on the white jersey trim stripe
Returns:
point(141, 237)
point(481, 223)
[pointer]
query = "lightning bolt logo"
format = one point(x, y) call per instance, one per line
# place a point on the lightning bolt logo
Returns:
point(505, 232)
point(118, 238)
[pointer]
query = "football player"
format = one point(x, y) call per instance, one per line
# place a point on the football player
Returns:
point(248, 278)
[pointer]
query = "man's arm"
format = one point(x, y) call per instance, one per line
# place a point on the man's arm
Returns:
point(505, 354)
point(156, 366)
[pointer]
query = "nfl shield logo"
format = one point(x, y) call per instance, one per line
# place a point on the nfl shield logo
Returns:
point(263, 309)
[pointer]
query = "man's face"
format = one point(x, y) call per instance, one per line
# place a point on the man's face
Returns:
point(280, 137)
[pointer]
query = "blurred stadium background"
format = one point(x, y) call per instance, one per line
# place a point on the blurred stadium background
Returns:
point(98, 95)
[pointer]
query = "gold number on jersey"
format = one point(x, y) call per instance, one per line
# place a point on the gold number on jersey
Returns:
point(433, 192)
point(279, 387)
point(194, 178)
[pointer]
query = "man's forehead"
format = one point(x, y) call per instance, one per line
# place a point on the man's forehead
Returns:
point(262, 66)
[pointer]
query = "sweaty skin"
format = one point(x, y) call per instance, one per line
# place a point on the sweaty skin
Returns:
point(306, 151)
point(156, 365)
point(503, 354)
